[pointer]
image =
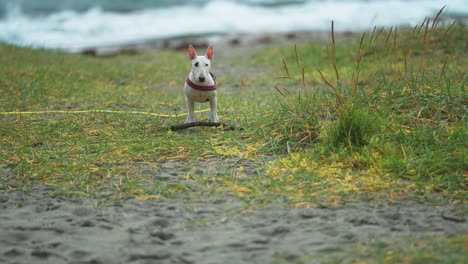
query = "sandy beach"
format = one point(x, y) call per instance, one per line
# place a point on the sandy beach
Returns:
point(60, 230)
point(37, 227)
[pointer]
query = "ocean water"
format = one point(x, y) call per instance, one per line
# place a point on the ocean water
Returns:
point(74, 25)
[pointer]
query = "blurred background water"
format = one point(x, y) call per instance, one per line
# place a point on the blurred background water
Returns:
point(74, 25)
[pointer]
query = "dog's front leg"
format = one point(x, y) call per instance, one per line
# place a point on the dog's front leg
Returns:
point(214, 115)
point(190, 108)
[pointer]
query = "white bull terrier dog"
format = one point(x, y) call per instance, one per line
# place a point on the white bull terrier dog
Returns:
point(200, 84)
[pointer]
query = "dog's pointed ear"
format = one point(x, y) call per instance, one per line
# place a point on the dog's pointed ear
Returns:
point(191, 53)
point(210, 53)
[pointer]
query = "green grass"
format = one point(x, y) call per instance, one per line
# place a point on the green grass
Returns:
point(388, 120)
point(398, 250)
point(380, 116)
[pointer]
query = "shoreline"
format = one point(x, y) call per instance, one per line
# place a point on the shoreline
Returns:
point(236, 42)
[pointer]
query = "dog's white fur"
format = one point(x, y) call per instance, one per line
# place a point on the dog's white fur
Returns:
point(200, 75)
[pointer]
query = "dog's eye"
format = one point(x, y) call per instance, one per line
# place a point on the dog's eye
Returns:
point(196, 64)
point(206, 64)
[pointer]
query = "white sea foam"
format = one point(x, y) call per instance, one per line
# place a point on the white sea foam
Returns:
point(74, 31)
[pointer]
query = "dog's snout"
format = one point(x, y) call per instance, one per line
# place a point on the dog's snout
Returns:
point(201, 79)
